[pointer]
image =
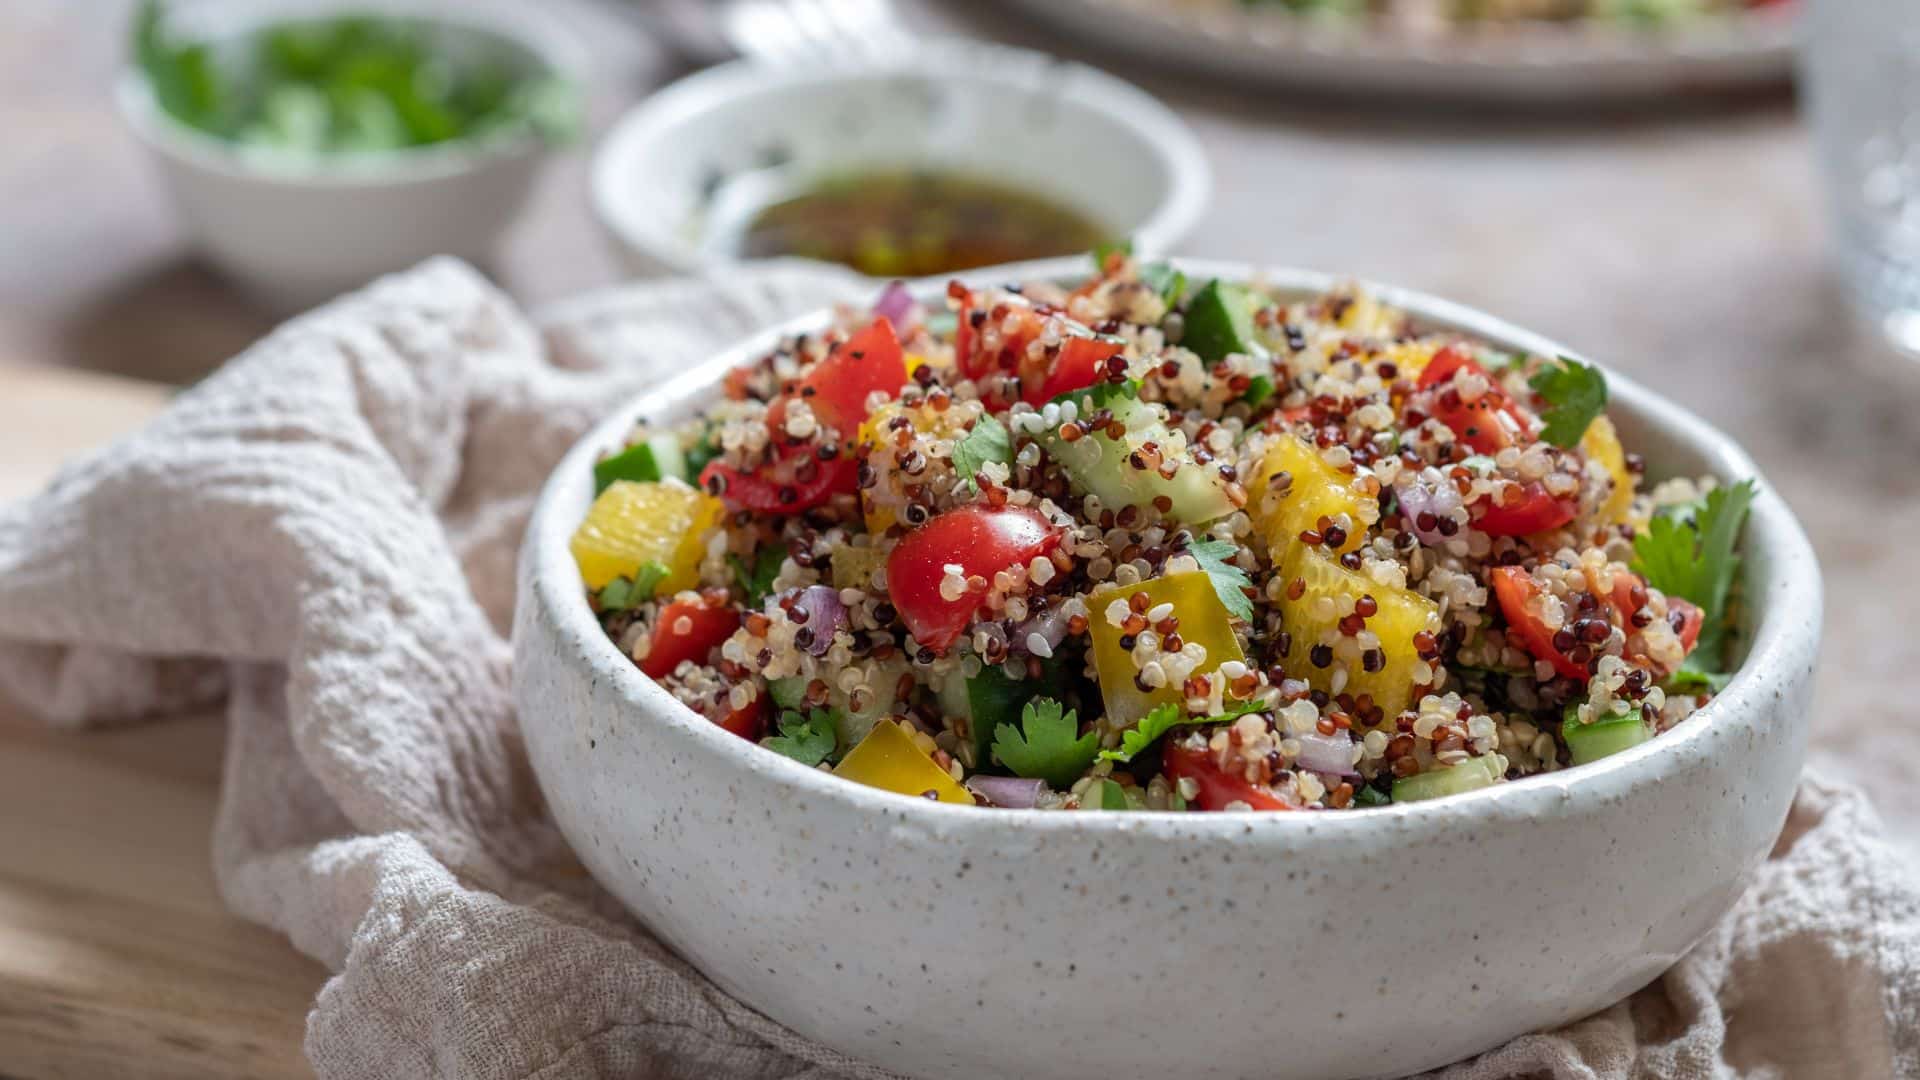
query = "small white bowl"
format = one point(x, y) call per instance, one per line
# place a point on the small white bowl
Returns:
point(672, 178)
point(294, 231)
point(955, 941)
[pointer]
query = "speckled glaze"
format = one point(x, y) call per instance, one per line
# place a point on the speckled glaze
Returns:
point(952, 941)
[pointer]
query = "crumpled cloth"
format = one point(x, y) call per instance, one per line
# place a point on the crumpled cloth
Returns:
point(322, 537)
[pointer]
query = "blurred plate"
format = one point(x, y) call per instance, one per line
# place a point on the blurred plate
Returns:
point(1515, 64)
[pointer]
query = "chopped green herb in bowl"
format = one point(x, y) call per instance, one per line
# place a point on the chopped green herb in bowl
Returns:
point(352, 83)
point(309, 153)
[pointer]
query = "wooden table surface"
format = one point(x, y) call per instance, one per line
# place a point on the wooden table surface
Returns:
point(1683, 246)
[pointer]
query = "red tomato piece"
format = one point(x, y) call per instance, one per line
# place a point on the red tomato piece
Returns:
point(1217, 788)
point(1489, 423)
point(1536, 511)
point(796, 483)
point(689, 630)
point(837, 388)
point(1081, 363)
point(750, 722)
point(1514, 587)
point(1692, 618)
point(981, 541)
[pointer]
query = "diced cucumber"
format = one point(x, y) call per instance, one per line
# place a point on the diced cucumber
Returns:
point(988, 699)
point(855, 725)
point(1219, 321)
point(652, 459)
point(788, 693)
point(1101, 466)
point(1470, 775)
point(1604, 737)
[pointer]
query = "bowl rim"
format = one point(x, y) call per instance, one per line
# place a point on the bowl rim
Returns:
point(647, 125)
point(557, 52)
point(1786, 637)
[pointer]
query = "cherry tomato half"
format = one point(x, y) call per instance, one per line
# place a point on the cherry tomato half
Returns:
point(749, 722)
point(795, 483)
point(1489, 423)
point(1217, 788)
point(1081, 363)
point(689, 629)
point(1692, 618)
point(837, 387)
point(1514, 588)
point(981, 541)
point(1535, 511)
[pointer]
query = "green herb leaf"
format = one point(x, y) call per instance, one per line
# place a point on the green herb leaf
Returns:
point(1695, 559)
point(1692, 678)
point(757, 582)
point(1228, 579)
point(807, 739)
point(1044, 745)
point(1258, 392)
point(1162, 278)
point(700, 453)
point(988, 441)
point(622, 594)
point(1165, 718)
point(1101, 251)
point(1575, 393)
point(1112, 796)
point(1368, 795)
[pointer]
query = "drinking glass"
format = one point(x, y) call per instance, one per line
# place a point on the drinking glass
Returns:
point(1860, 87)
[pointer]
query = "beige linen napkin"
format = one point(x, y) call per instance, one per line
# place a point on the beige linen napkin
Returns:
point(323, 534)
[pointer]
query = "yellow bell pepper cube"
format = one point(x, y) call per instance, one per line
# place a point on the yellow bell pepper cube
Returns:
point(1203, 621)
point(633, 523)
point(889, 759)
point(1601, 443)
point(1330, 592)
point(1316, 490)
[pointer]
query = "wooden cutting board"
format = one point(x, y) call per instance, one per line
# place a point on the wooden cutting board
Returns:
point(117, 957)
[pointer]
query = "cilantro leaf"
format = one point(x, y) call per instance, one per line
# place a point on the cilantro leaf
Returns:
point(1101, 251)
point(1100, 395)
point(1575, 393)
point(1228, 579)
point(757, 582)
point(1165, 718)
point(621, 594)
point(807, 739)
point(1043, 746)
point(1693, 678)
point(988, 441)
point(1695, 560)
point(1258, 392)
point(1162, 278)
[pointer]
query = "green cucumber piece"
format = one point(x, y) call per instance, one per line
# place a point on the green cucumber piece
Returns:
point(1470, 775)
point(1219, 321)
point(1604, 737)
point(655, 458)
point(1099, 465)
point(989, 699)
point(788, 693)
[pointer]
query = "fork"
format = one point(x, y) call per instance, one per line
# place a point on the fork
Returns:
point(786, 33)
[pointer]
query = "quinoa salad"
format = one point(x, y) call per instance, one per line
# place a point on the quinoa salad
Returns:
point(1146, 543)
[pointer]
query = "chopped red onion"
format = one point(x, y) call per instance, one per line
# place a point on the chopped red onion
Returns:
point(1007, 792)
point(896, 304)
point(1052, 628)
point(825, 614)
point(1326, 753)
point(1418, 495)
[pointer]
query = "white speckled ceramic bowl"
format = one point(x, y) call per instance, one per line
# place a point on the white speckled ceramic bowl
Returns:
point(955, 941)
